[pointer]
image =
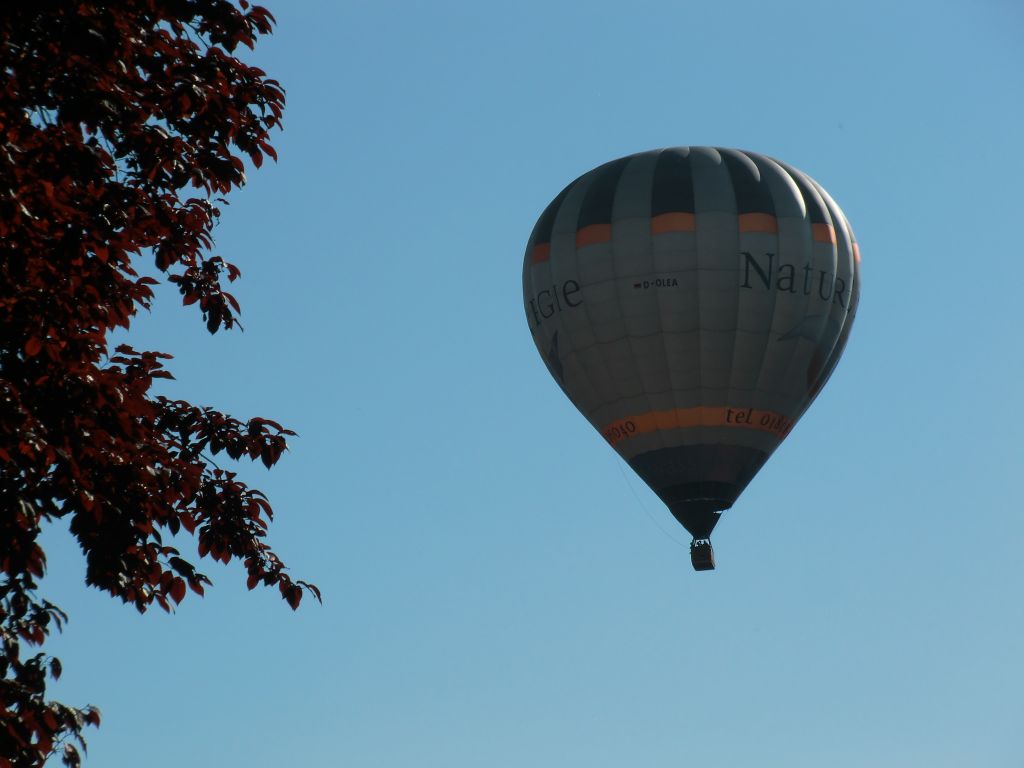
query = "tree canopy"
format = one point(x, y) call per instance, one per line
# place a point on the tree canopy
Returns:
point(122, 126)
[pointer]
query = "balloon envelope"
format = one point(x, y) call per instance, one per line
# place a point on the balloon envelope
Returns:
point(691, 302)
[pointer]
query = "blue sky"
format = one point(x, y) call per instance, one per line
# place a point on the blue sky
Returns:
point(499, 589)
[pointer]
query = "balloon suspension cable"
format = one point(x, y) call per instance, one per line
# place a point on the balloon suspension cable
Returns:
point(640, 502)
point(702, 555)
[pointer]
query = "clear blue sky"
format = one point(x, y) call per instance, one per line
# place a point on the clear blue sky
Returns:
point(499, 590)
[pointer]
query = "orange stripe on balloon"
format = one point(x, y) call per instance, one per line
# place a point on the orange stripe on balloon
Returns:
point(541, 253)
point(823, 233)
point(758, 222)
point(673, 222)
point(595, 233)
point(856, 253)
point(701, 416)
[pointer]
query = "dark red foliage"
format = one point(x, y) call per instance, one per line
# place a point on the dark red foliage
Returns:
point(121, 124)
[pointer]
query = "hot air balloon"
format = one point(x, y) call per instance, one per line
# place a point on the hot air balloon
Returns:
point(691, 302)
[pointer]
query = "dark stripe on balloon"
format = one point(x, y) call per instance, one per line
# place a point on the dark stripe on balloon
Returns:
point(672, 189)
point(600, 197)
point(752, 195)
point(815, 205)
point(540, 240)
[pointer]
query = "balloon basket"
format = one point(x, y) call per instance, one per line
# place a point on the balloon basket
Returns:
point(702, 555)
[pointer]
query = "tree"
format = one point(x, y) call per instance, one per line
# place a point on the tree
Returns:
point(122, 125)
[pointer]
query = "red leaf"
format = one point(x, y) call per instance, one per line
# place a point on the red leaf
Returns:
point(268, 457)
point(178, 589)
point(314, 589)
point(33, 346)
point(265, 146)
point(45, 743)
